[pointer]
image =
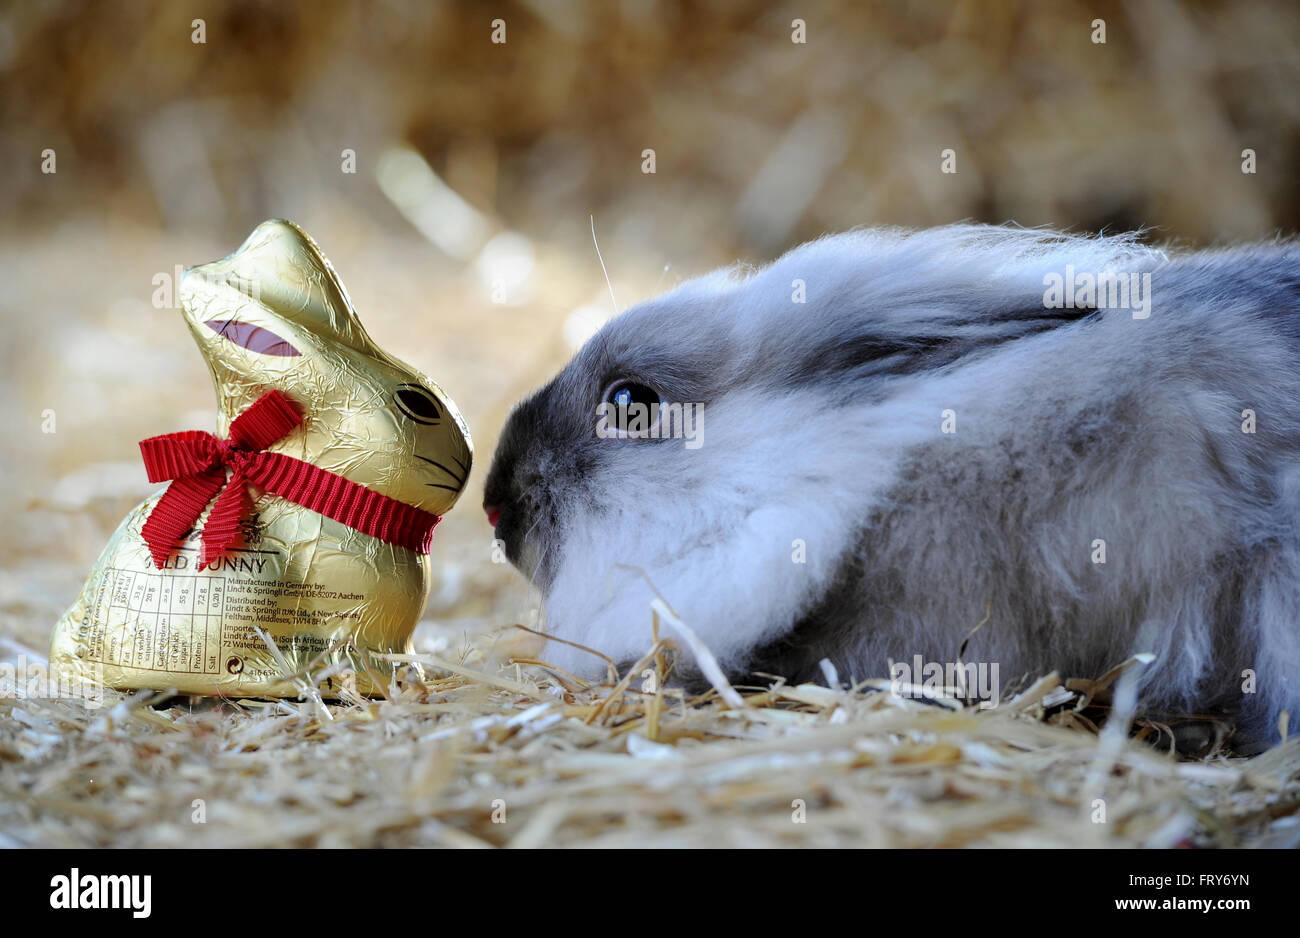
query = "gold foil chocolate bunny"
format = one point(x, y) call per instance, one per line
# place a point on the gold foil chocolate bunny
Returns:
point(306, 518)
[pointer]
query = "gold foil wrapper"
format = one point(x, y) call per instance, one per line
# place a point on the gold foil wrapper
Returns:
point(274, 315)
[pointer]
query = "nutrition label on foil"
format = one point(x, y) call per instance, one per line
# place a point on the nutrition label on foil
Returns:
point(157, 621)
point(180, 622)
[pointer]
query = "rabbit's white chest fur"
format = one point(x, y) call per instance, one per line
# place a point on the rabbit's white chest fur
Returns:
point(924, 442)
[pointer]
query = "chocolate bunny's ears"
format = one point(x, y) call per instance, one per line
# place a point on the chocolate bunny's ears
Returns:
point(278, 273)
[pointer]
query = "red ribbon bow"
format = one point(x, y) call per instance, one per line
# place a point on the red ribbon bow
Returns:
point(197, 462)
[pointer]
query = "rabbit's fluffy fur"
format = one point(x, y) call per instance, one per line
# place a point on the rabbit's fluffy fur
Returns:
point(823, 427)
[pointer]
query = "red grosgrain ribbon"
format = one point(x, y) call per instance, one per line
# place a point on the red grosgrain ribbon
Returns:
point(196, 463)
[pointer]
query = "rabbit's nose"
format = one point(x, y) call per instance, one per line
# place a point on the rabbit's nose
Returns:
point(493, 514)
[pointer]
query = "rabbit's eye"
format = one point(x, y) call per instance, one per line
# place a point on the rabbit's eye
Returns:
point(631, 410)
point(417, 404)
point(625, 393)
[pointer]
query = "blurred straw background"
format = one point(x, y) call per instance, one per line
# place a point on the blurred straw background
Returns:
point(479, 168)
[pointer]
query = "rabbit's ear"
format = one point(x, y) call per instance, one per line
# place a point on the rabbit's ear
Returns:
point(279, 271)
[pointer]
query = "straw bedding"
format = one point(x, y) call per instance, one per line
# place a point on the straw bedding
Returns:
point(489, 751)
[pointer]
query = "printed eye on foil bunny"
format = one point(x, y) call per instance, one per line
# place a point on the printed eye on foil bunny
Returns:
point(308, 514)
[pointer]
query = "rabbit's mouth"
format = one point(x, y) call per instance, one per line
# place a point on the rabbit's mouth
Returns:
point(521, 527)
point(520, 534)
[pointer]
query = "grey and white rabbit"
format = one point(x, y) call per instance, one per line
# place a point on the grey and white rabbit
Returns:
point(903, 431)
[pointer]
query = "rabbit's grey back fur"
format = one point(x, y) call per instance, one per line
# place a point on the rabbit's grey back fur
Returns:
point(823, 427)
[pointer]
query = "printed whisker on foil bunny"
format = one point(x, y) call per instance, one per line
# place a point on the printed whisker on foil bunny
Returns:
point(460, 480)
